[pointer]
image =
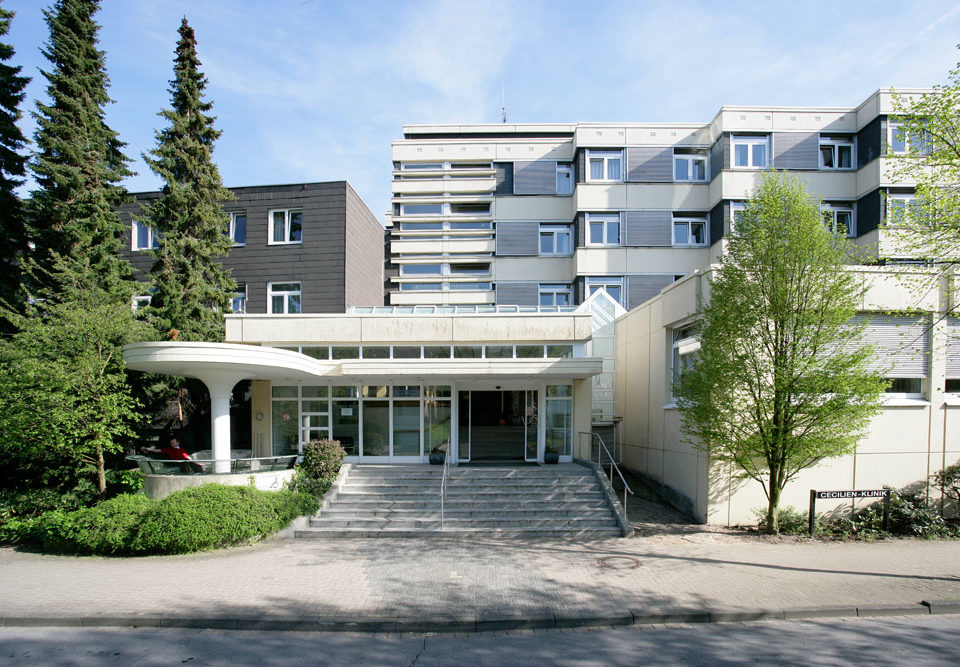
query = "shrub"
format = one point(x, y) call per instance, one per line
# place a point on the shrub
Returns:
point(27, 503)
point(792, 520)
point(301, 482)
point(107, 528)
point(214, 516)
point(910, 515)
point(322, 458)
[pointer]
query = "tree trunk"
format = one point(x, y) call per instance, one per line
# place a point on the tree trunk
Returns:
point(101, 472)
point(773, 507)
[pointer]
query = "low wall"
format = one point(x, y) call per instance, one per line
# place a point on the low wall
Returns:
point(161, 486)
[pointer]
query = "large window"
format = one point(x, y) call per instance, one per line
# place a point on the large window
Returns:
point(238, 228)
point(238, 302)
point(556, 240)
point(901, 208)
point(838, 218)
point(555, 294)
point(684, 353)
point(902, 141)
point(558, 415)
point(144, 237)
point(689, 165)
point(750, 151)
point(283, 298)
point(836, 151)
point(286, 226)
point(604, 166)
point(689, 232)
point(603, 228)
point(613, 286)
point(564, 178)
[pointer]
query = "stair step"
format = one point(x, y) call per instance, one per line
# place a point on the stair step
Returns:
point(434, 513)
point(448, 532)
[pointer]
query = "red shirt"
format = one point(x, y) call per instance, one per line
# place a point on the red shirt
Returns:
point(174, 453)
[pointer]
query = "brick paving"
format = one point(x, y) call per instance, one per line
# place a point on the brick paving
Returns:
point(690, 567)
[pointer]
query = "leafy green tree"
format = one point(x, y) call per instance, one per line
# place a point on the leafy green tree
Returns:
point(925, 151)
point(191, 288)
point(79, 162)
point(62, 375)
point(782, 380)
point(12, 169)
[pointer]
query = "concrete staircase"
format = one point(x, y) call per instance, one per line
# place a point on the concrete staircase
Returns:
point(524, 501)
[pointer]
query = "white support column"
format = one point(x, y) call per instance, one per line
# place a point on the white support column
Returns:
point(221, 389)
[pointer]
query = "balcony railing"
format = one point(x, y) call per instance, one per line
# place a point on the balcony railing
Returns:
point(210, 466)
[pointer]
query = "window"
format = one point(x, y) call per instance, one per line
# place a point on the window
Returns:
point(689, 231)
point(468, 269)
point(238, 228)
point(421, 209)
point(902, 141)
point(556, 240)
point(420, 269)
point(905, 388)
point(555, 294)
point(613, 286)
point(238, 303)
point(420, 166)
point(736, 208)
point(836, 152)
point(689, 165)
point(283, 298)
point(143, 237)
point(141, 301)
point(421, 287)
point(286, 226)
point(564, 178)
point(604, 229)
point(838, 218)
point(604, 165)
point(900, 208)
point(470, 209)
point(750, 151)
point(684, 353)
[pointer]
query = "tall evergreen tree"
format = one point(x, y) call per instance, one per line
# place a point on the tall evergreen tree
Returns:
point(79, 162)
point(192, 289)
point(12, 168)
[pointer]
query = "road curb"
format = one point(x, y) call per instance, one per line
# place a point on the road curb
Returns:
point(480, 622)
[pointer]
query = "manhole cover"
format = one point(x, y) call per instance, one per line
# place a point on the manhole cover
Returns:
point(619, 562)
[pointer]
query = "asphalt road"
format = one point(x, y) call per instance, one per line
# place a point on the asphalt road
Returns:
point(929, 640)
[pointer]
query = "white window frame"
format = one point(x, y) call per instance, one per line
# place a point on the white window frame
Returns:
point(750, 141)
point(153, 239)
point(286, 294)
point(140, 301)
point(835, 142)
point(593, 283)
point(238, 302)
point(232, 230)
point(909, 205)
point(736, 207)
point(910, 141)
point(690, 157)
point(564, 178)
point(833, 209)
point(607, 157)
point(895, 395)
point(554, 231)
point(683, 353)
point(690, 221)
point(287, 214)
point(606, 219)
point(554, 289)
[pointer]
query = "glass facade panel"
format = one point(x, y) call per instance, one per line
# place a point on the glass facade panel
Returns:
point(317, 352)
point(376, 391)
point(346, 424)
point(499, 352)
point(406, 428)
point(376, 428)
point(283, 392)
point(560, 351)
point(406, 352)
point(344, 392)
point(315, 406)
point(346, 352)
point(559, 426)
point(437, 392)
point(436, 351)
point(529, 351)
point(436, 426)
point(406, 391)
point(376, 352)
point(285, 436)
point(467, 351)
point(558, 390)
point(313, 392)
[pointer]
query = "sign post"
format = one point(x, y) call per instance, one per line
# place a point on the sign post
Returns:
point(836, 495)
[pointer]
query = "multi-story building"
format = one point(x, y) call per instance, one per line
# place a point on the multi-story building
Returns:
point(545, 214)
point(300, 248)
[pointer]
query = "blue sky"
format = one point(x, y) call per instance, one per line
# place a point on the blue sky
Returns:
point(312, 90)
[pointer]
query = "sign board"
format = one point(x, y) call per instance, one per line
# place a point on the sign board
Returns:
point(873, 493)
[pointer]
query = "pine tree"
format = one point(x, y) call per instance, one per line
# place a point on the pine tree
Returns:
point(192, 289)
point(79, 162)
point(12, 169)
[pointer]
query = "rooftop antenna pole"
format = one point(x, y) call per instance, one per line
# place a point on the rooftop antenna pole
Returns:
point(503, 101)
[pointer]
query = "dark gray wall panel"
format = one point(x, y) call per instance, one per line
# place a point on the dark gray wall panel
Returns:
point(796, 150)
point(870, 141)
point(363, 251)
point(642, 288)
point(580, 165)
point(718, 218)
point(537, 177)
point(869, 212)
point(518, 238)
point(648, 228)
point(716, 158)
point(580, 226)
point(650, 164)
point(504, 175)
point(518, 294)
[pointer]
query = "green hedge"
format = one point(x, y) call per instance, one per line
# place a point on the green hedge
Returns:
point(194, 519)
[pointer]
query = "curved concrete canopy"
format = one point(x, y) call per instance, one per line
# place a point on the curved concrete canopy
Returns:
point(205, 360)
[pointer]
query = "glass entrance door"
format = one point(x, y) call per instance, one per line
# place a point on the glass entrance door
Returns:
point(500, 425)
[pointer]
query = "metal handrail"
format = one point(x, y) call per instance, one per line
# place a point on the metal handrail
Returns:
point(443, 485)
point(613, 465)
point(209, 466)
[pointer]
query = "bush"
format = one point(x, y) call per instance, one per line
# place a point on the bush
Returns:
point(322, 458)
point(910, 515)
point(28, 503)
point(792, 520)
point(301, 482)
point(213, 516)
point(107, 528)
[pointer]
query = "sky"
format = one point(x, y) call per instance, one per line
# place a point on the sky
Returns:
point(316, 90)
